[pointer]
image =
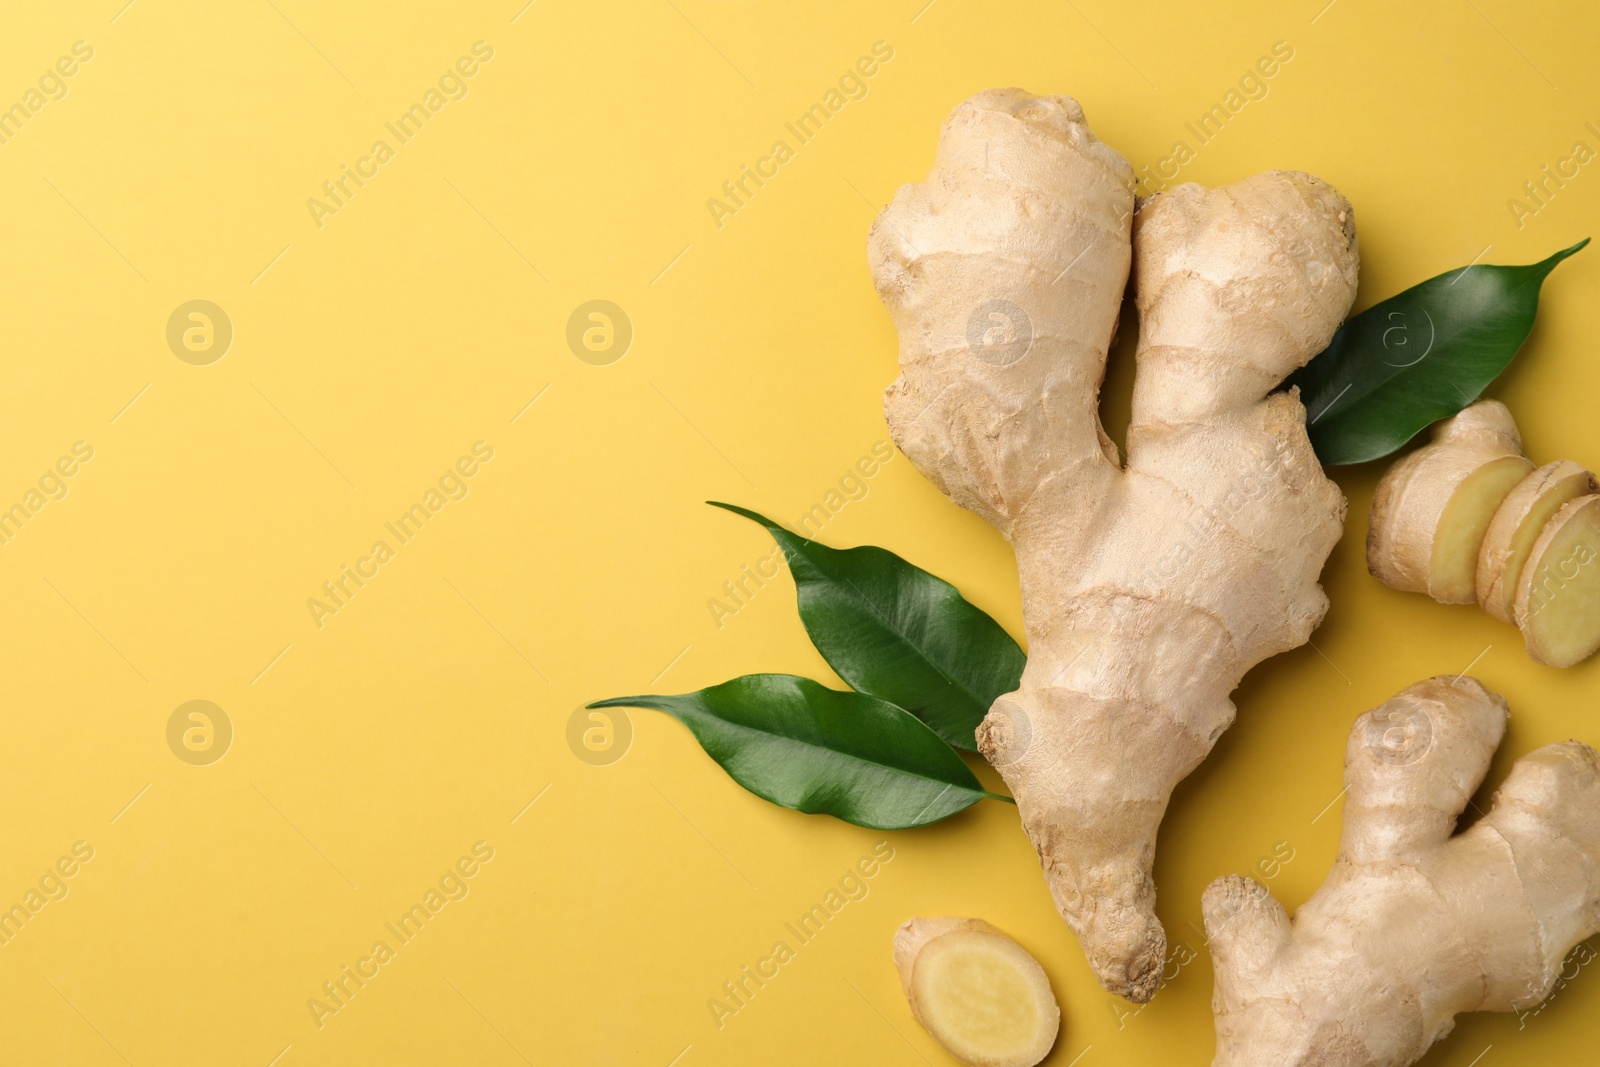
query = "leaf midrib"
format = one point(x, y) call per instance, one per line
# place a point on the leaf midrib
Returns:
point(640, 702)
point(908, 643)
point(810, 747)
point(1442, 341)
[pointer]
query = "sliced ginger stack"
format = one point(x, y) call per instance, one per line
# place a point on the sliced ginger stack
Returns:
point(1468, 517)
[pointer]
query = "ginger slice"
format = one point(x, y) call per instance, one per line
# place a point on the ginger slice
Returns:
point(977, 992)
point(1557, 604)
point(1467, 518)
point(1453, 568)
point(1521, 518)
point(1432, 509)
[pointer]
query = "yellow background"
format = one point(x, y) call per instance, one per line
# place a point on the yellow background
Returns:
point(368, 354)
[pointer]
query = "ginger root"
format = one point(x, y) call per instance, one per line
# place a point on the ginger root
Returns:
point(1468, 517)
point(1414, 925)
point(1149, 587)
point(977, 992)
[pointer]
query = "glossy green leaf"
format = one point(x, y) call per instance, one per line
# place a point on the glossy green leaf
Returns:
point(805, 746)
point(1417, 357)
point(896, 632)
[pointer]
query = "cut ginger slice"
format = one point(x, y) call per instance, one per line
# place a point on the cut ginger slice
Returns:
point(977, 992)
point(1431, 509)
point(1517, 524)
point(1453, 569)
point(1557, 604)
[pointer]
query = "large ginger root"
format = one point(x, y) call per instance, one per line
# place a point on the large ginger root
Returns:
point(1468, 517)
point(977, 992)
point(1149, 587)
point(1413, 925)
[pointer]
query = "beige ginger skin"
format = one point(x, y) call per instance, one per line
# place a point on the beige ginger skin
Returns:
point(1414, 925)
point(1467, 516)
point(1472, 461)
point(1149, 585)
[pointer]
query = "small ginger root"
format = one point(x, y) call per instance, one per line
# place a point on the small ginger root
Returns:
point(977, 992)
point(1467, 517)
point(1149, 586)
point(1414, 925)
point(1432, 508)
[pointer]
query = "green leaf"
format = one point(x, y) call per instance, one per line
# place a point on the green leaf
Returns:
point(896, 632)
point(804, 746)
point(1417, 357)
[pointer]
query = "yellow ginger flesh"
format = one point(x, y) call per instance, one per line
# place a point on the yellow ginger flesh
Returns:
point(1523, 515)
point(977, 992)
point(1467, 517)
point(1149, 586)
point(1432, 508)
point(1558, 593)
point(1453, 569)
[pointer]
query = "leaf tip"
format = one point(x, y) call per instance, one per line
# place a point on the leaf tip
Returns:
point(616, 702)
point(737, 510)
point(1556, 257)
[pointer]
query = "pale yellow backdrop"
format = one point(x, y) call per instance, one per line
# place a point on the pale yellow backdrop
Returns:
point(379, 339)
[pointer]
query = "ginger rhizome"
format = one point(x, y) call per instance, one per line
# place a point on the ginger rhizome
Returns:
point(1149, 586)
point(976, 991)
point(1413, 925)
point(1467, 517)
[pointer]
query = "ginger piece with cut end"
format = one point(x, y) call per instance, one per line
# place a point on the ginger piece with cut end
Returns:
point(1522, 516)
point(1149, 586)
point(1557, 603)
point(1415, 923)
point(1467, 517)
point(977, 992)
point(1431, 510)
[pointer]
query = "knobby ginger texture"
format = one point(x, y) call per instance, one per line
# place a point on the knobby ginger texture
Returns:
point(1415, 923)
point(1150, 584)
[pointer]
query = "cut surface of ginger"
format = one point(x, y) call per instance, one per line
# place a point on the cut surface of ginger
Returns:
point(1517, 525)
point(1558, 597)
point(1453, 567)
point(978, 993)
